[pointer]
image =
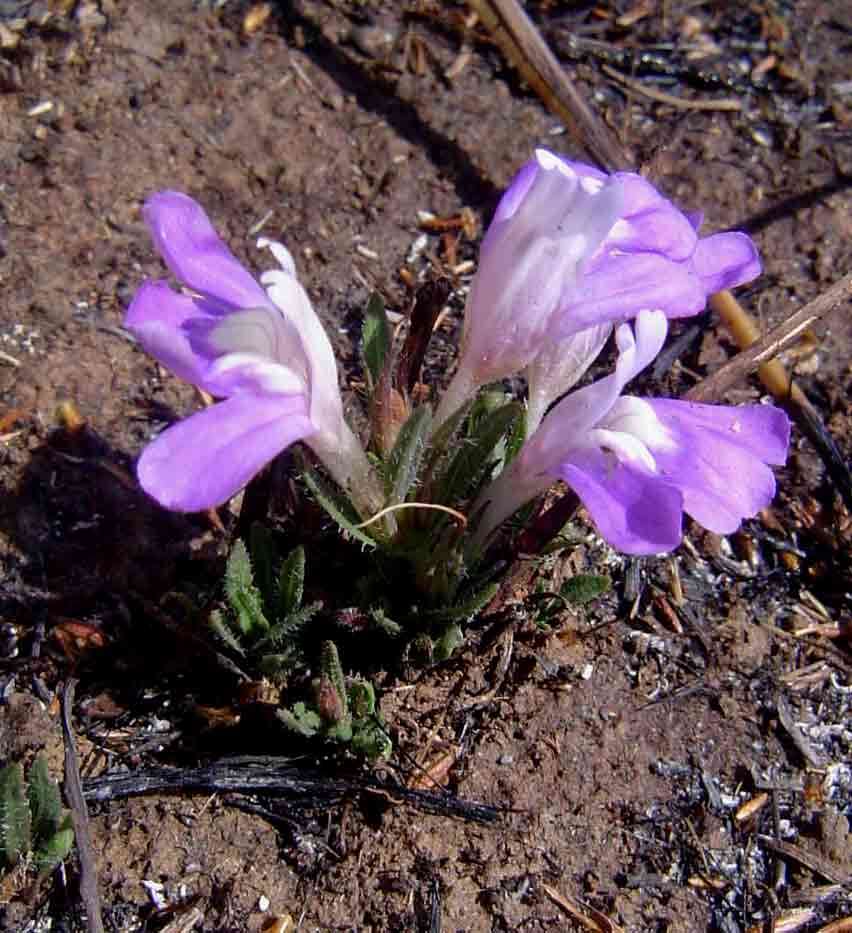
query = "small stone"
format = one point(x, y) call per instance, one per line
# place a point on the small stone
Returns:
point(373, 40)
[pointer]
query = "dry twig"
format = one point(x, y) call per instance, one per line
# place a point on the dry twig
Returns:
point(80, 818)
point(763, 350)
point(816, 863)
point(681, 103)
point(524, 47)
point(583, 914)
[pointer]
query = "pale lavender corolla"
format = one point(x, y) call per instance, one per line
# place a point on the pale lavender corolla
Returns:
point(638, 464)
point(260, 347)
point(572, 251)
point(547, 223)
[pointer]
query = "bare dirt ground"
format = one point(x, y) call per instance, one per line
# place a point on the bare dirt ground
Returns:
point(621, 742)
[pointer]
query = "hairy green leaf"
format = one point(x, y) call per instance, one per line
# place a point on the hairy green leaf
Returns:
point(467, 608)
point(404, 460)
point(371, 741)
point(515, 438)
point(584, 587)
point(263, 559)
point(55, 848)
point(385, 624)
point(442, 442)
point(243, 596)
point(447, 642)
point(376, 338)
point(476, 454)
point(300, 719)
point(332, 669)
point(45, 802)
point(14, 815)
point(275, 666)
point(362, 699)
point(289, 628)
point(291, 582)
point(223, 631)
point(340, 731)
point(338, 508)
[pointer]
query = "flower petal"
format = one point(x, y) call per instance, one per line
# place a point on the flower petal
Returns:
point(539, 198)
point(192, 250)
point(716, 459)
point(617, 286)
point(282, 255)
point(559, 365)
point(241, 373)
point(515, 193)
point(158, 317)
point(201, 462)
point(525, 261)
point(635, 511)
point(696, 218)
point(725, 260)
point(291, 299)
point(261, 332)
point(763, 430)
point(584, 170)
point(650, 222)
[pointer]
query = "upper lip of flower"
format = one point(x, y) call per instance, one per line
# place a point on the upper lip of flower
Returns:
point(195, 254)
point(258, 346)
point(227, 332)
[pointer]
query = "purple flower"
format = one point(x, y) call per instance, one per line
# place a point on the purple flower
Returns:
point(261, 349)
point(652, 258)
point(571, 248)
point(548, 222)
point(639, 464)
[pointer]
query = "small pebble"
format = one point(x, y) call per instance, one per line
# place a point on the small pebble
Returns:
point(373, 40)
point(762, 135)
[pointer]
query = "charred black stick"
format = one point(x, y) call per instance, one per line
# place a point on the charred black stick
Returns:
point(278, 777)
point(809, 422)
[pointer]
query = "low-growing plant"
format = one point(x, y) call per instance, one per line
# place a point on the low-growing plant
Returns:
point(573, 257)
point(35, 831)
point(264, 621)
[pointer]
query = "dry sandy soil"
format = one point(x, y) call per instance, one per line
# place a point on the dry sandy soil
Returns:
point(619, 744)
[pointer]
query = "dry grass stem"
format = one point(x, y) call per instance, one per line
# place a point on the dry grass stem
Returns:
point(681, 103)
